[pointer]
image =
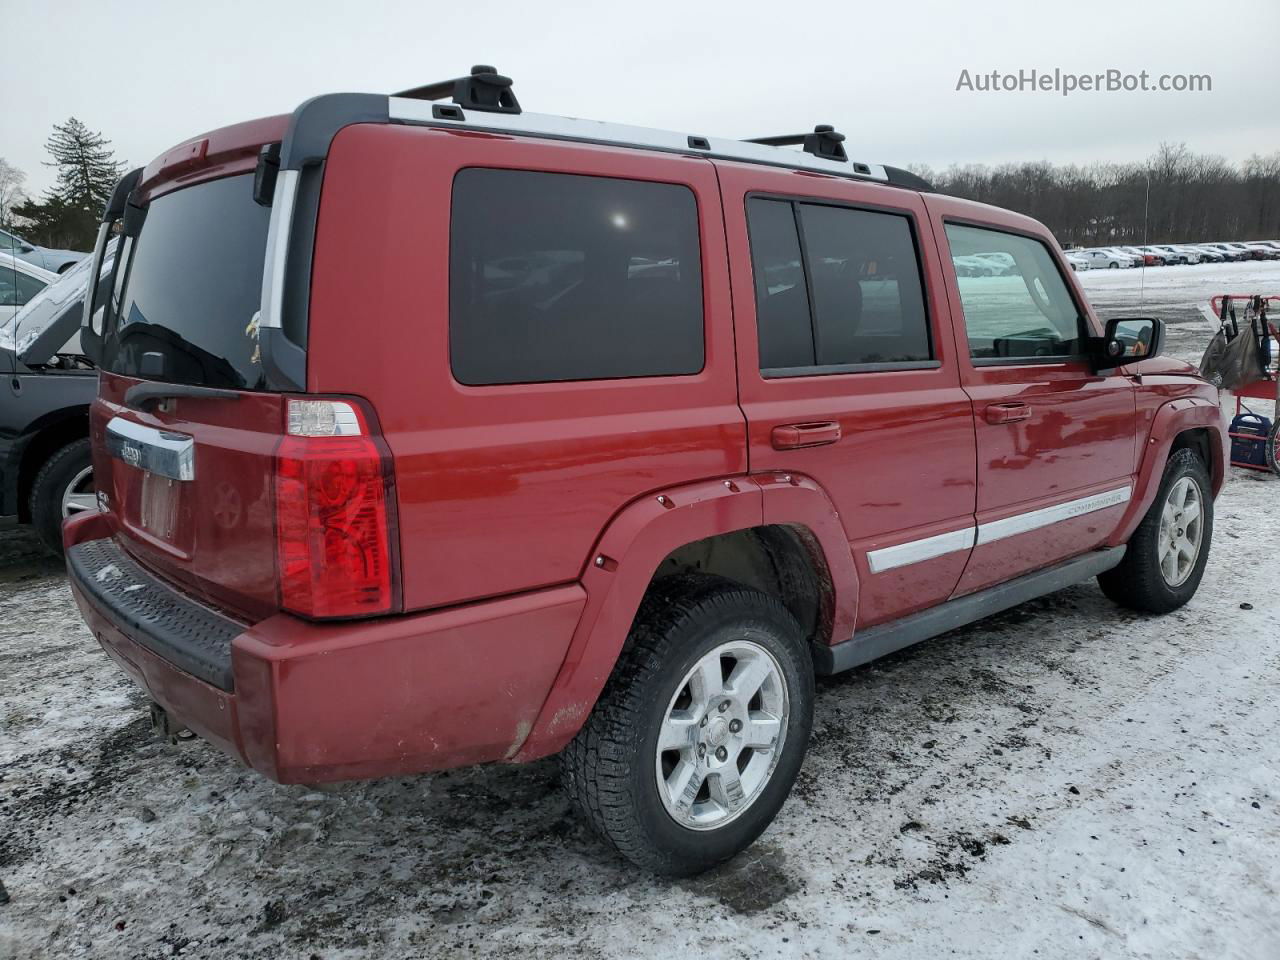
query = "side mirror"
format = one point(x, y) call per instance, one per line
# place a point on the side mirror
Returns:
point(1128, 340)
point(26, 248)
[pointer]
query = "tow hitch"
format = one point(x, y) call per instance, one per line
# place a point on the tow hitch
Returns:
point(165, 727)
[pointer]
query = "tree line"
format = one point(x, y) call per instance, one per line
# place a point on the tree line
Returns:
point(1176, 196)
point(67, 215)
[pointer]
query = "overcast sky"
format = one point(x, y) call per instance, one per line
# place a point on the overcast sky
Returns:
point(149, 74)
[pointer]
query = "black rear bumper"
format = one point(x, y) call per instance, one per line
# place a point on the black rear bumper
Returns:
point(189, 635)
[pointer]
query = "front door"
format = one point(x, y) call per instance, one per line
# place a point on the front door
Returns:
point(848, 373)
point(1055, 440)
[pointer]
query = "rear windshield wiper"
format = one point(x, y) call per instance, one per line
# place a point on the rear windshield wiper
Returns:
point(141, 395)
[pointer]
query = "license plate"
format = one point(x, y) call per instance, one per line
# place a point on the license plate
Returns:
point(159, 506)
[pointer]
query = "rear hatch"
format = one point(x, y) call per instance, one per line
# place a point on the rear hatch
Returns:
point(188, 476)
point(219, 475)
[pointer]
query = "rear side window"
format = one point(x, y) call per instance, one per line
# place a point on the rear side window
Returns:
point(837, 289)
point(1016, 304)
point(557, 277)
point(188, 289)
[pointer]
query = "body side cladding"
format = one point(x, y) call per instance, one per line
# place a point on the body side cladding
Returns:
point(872, 643)
point(635, 543)
point(1170, 420)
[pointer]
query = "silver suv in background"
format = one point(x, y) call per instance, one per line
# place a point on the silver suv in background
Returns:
point(55, 261)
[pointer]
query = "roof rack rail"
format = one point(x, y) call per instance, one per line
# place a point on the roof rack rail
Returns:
point(483, 89)
point(824, 142)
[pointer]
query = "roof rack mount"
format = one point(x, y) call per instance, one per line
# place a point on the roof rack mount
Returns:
point(484, 89)
point(824, 142)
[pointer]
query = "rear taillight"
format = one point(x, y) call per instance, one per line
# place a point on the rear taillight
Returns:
point(335, 513)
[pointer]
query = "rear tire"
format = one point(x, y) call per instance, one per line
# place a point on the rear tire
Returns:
point(68, 472)
point(1158, 573)
point(681, 809)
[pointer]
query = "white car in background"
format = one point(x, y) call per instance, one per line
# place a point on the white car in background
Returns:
point(975, 266)
point(1176, 254)
point(1077, 260)
point(1207, 254)
point(1003, 262)
point(19, 282)
point(1167, 257)
point(1135, 259)
point(1102, 259)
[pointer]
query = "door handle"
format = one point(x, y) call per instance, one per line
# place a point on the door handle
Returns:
point(793, 436)
point(1007, 412)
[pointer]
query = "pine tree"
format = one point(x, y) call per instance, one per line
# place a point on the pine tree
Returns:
point(87, 168)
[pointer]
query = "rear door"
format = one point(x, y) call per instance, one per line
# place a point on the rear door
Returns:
point(188, 478)
point(847, 372)
point(1055, 440)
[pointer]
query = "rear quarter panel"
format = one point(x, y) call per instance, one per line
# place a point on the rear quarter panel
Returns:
point(500, 488)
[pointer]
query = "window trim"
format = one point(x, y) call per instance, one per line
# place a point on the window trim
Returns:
point(705, 326)
point(817, 369)
point(1083, 329)
point(831, 369)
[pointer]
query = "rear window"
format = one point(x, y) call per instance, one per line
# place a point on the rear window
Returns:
point(188, 289)
point(557, 277)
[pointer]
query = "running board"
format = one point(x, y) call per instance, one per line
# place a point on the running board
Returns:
point(875, 642)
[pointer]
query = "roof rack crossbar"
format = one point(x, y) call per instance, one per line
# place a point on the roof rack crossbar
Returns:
point(483, 89)
point(824, 142)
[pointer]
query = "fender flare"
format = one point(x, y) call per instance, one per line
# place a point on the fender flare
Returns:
point(635, 543)
point(1173, 418)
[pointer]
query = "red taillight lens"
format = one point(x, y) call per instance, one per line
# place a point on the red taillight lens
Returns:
point(334, 525)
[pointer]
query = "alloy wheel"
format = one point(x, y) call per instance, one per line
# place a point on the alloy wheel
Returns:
point(1181, 531)
point(79, 494)
point(721, 735)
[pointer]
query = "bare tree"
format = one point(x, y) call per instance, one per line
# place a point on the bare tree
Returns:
point(11, 192)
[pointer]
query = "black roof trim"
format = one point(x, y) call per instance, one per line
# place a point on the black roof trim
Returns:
point(120, 196)
point(905, 178)
point(317, 121)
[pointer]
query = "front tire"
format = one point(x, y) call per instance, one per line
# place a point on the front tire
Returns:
point(1166, 555)
point(699, 733)
point(62, 488)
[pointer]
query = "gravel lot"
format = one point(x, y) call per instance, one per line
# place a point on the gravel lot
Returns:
point(1065, 780)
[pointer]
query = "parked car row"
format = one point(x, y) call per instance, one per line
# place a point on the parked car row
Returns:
point(1167, 254)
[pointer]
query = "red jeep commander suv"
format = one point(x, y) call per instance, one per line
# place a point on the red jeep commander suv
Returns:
point(433, 432)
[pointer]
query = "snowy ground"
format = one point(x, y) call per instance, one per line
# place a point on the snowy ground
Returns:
point(1065, 780)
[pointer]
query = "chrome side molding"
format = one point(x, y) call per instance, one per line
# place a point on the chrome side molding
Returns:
point(966, 538)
